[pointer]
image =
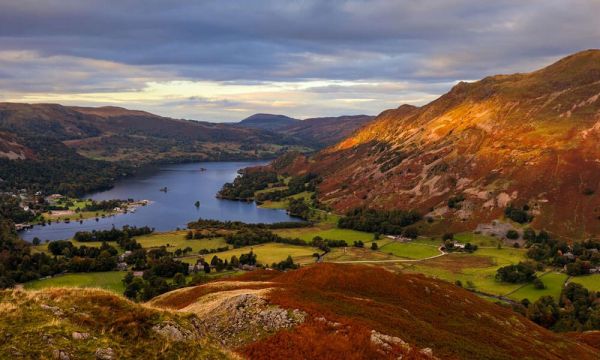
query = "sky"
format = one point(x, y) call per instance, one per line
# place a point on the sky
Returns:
point(225, 60)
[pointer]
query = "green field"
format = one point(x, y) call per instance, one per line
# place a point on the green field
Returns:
point(478, 268)
point(267, 253)
point(172, 240)
point(554, 282)
point(590, 282)
point(307, 234)
point(176, 240)
point(410, 250)
point(110, 280)
point(476, 239)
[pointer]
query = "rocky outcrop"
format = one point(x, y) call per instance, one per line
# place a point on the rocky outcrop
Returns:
point(243, 317)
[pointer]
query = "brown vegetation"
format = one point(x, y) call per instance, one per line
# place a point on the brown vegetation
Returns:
point(522, 139)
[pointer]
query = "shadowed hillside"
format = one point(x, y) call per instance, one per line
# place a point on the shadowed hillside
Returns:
point(314, 132)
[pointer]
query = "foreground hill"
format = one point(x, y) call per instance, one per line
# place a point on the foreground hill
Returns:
point(95, 324)
point(324, 311)
point(338, 311)
point(525, 139)
point(313, 132)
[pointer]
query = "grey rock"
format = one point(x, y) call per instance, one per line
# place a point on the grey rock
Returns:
point(80, 336)
point(105, 354)
point(60, 355)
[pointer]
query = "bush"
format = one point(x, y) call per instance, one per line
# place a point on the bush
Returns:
point(374, 246)
point(381, 221)
point(518, 215)
point(538, 284)
point(512, 234)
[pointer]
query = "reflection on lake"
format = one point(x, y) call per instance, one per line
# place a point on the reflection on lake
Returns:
point(186, 184)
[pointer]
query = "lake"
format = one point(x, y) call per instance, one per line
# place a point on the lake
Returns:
point(186, 184)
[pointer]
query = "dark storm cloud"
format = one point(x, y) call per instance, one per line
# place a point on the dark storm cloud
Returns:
point(289, 40)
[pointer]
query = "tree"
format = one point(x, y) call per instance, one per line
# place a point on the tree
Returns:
point(543, 312)
point(179, 280)
point(248, 258)
point(374, 246)
point(538, 284)
point(519, 273)
point(134, 288)
point(448, 236)
point(411, 232)
point(512, 234)
point(36, 241)
point(235, 262)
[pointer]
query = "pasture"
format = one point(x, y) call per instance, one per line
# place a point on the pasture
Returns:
point(110, 280)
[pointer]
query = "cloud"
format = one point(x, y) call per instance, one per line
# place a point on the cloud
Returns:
point(370, 54)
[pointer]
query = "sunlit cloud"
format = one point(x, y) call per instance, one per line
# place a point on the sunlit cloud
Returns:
point(217, 61)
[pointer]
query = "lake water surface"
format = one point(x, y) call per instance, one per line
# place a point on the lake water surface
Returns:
point(186, 184)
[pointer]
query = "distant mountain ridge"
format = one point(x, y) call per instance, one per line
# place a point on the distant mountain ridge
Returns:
point(522, 140)
point(268, 121)
point(316, 132)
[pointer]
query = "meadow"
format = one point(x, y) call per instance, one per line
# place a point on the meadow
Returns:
point(410, 250)
point(591, 282)
point(110, 280)
point(553, 281)
point(326, 232)
point(176, 240)
point(266, 253)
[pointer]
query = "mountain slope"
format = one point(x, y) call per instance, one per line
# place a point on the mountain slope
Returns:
point(314, 132)
point(339, 311)
point(112, 133)
point(326, 131)
point(523, 139)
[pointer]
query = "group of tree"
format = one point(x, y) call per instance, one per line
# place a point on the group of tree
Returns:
point(57, 169)
point(18, 263)
point(85, 258)
point(104, 205)
point(287, 264)
point(326, 244)
point(10, 208)
point(254, 236)
point(296, 185)
point(577, 309)
point(521, 215)
point(299, 208)
point(218, 225)
point(517, 273)
point(380, 221)
point(578, 258)
point(247, 183)
point(113, 234)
